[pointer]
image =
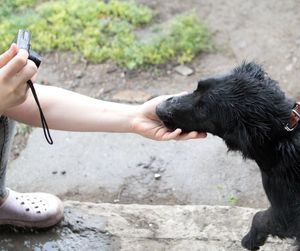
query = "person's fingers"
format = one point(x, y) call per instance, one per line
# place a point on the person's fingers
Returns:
point(8, 55)
point(160, 133)
point(172, 135)
point(16, 64)
point(27, 72)
point(201, 135)
point(192, 135)
point(33, 79)
point(187, 136)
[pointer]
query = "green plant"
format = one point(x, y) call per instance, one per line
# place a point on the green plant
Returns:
point(103, 31)
point(23, 129)
point(8, 6)
point(232, 200)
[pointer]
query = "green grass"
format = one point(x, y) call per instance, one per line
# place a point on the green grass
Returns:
point(103, 31)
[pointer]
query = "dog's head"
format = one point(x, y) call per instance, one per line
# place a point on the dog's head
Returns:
point(244, 103)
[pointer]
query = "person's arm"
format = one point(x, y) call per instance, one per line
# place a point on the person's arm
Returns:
point(66, 110)
point(70, 111)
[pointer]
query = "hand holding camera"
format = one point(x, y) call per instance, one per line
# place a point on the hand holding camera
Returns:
point(22, 41)
point(14, 72)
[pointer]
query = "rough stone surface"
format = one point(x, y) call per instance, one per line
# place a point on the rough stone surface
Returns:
point(111, 227)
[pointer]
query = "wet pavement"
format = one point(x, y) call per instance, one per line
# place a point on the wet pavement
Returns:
point(77, 232)
point(111, 227)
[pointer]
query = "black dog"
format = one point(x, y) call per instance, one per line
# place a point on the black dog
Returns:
point(252, 115)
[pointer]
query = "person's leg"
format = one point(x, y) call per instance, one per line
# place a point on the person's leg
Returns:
point(7, 130)
point(39, 210)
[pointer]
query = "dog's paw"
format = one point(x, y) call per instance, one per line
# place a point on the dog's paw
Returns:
point(249, 243)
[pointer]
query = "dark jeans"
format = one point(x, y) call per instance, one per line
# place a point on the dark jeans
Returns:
point(7, 131)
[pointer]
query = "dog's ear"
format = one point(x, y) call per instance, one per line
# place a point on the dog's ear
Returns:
point(205, 84)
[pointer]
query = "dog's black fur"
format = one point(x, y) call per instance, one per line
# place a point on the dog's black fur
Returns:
point(247, 109)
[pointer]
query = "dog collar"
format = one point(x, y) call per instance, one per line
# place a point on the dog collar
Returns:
point(294, 118)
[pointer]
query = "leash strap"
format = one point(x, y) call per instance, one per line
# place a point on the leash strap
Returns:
point(43, 119)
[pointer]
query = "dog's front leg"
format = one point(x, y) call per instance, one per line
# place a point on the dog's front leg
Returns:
point(259, 231)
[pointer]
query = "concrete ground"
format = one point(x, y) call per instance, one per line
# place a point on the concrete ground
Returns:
point(101, 167)
point(83, 165)
point(110, 227)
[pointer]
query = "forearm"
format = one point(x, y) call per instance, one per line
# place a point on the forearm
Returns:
point(66, 110)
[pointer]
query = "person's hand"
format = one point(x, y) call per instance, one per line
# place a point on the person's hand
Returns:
point(147, 124)
point(15, 71)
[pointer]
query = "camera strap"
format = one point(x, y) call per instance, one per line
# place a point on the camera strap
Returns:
point(43, 119)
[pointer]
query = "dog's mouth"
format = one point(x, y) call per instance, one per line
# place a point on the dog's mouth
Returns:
point(165, 116)
point(170, 124)
point(168, 120)
point(174, 118)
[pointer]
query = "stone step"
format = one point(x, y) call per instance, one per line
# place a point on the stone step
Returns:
point(113, 227)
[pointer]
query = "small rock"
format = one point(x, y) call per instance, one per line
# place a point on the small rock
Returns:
point(45, 82)
point(111, 70)
point(54, 172)
point(294, 60)
point(184, 70)
point(289, 67)
point(143, 165)
point(63, 172)
point(98, 94)
point(78, 74)
point(242, 44)
point(157, 176)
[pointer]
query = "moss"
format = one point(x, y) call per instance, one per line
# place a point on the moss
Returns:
point(232, 200)
point(103, 31)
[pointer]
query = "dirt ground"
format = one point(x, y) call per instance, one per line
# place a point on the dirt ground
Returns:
point(265, 31)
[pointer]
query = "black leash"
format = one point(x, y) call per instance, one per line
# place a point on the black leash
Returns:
point(43, 119)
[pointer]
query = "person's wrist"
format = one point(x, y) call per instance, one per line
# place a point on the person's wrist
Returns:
point(134, 119)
